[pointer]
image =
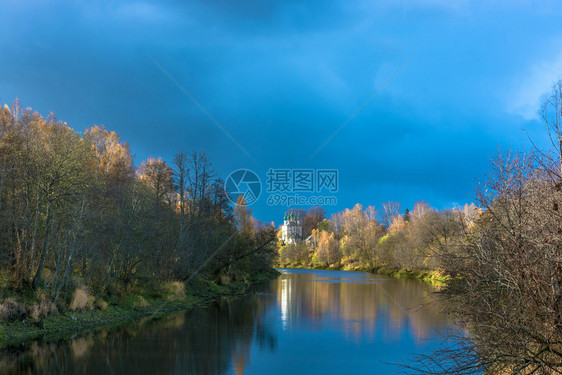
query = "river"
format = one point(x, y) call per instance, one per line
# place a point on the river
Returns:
point(304, 322)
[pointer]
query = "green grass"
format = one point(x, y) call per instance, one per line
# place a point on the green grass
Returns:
point(433, 276)
point(61, 325)
point(123, 307)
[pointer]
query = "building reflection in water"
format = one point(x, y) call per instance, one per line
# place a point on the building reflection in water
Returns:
point(362, 304)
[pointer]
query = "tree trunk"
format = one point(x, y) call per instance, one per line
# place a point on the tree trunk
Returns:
point(34, 238)
point(37, 277)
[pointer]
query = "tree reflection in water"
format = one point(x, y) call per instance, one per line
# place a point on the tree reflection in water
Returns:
point(360, 302)
point(305, 321)
point(212, 340)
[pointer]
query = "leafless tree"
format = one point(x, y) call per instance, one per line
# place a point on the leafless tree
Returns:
point(551, 113)
point(389, 211)
point(508, 300)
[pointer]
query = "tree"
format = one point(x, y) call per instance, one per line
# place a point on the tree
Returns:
point(406, 215)
point(114, 159)
point(242, 216)
point(508, 298)
point(327, 247)
point(64, 179)
point(159, 177)
point(181, 173)
point(71, 208)
point(390, 211)
point(311, 219)
point(200, 179)
point(420, 209)
point(551, 113)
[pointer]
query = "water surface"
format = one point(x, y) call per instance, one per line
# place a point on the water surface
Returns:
point(304, 322)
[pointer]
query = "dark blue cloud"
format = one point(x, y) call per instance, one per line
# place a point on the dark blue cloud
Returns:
point(281, 77)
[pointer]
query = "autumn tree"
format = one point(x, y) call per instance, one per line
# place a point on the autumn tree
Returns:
point(72, 209)
point(390, 210)
point(327, 247)
point(311, 219)
point(159, 177)
point(113, 158)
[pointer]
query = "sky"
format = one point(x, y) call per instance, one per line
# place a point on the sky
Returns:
point(407, 100)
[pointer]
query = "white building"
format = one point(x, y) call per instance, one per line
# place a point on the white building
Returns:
point(291, 230)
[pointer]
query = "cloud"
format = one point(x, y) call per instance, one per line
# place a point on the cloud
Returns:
point(532, 85)
point(283, 76)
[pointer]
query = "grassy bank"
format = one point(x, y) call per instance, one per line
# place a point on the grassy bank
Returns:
point(433, 276)
point(150, 300)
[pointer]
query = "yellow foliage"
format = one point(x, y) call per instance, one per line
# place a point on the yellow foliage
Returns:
point(397, 224)
point(81, 300)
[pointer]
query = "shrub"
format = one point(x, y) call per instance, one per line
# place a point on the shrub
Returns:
point(225, 279)
point(91, 302)
point(141, 302)
point(175, 290)
point(81, 300)
point(44, 306)
point(10, 310)
point(102, 305)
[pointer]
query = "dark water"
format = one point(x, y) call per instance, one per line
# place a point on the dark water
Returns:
point(305, 322)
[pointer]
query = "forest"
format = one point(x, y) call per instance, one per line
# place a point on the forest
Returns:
point(81, 225)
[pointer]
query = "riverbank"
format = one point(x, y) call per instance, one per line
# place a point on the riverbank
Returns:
point(433, 276)
point(140, 303)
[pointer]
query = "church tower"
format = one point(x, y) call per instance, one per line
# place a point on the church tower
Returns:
point(291, 230)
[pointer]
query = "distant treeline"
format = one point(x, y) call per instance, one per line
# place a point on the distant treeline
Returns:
point(361, 238)
point(75, 212)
